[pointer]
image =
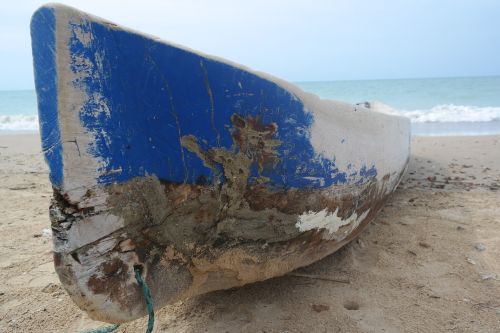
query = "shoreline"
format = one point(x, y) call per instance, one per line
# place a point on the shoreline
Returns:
point(430, 261)
point(420, 129)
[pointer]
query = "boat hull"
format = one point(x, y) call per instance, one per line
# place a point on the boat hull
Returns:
point(203, 173)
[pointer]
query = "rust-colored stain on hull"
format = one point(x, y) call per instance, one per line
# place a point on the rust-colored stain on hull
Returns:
point(192, 239)
point(202, 173)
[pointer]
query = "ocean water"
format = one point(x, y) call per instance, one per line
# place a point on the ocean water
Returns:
point(437, 106)
point(18, 111)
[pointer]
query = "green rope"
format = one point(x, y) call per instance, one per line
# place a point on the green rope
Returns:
point(147, 296)
point(149, 306)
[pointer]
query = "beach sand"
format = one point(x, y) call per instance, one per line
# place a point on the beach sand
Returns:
point(430, 261)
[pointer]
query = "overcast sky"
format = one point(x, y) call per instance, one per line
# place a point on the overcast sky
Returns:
point(296, 40)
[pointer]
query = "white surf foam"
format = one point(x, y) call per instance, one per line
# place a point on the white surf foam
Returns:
point(453, 113)
point(18, 123)
point(437, 114)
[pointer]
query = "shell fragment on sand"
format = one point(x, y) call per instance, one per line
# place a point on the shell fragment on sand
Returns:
point(204, 173)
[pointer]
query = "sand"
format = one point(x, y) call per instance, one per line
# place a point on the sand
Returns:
point(430, 262)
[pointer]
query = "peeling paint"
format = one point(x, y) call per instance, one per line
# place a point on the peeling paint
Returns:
point(204, 173)
point(329, 221)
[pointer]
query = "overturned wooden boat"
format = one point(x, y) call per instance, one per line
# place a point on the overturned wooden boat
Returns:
point(205, 174)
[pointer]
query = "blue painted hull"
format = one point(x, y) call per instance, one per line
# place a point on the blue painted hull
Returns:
point(158, 153)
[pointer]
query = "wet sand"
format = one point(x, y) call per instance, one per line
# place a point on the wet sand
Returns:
point(430, 262)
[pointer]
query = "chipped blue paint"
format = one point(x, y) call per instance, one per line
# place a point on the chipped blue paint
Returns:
point(157, 93)
point(43, 47)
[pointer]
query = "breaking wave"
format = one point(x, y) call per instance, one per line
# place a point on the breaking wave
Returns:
point(453, 113)
point(437, 114)
point(18, 123)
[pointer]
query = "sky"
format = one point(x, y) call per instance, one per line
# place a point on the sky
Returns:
point(297, 40)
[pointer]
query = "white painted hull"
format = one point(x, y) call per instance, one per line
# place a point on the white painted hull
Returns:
point(205, 174)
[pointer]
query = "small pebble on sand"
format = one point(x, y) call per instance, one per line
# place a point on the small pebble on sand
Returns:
point(480, 247)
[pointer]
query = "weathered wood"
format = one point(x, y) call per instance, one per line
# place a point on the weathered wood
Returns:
point(206, 174)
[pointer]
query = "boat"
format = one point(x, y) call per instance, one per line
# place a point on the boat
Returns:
point(198, 172)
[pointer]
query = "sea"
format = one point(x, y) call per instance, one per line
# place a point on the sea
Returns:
point(435, 106)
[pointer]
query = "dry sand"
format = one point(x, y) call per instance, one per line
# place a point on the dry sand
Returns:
point(430, 262)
